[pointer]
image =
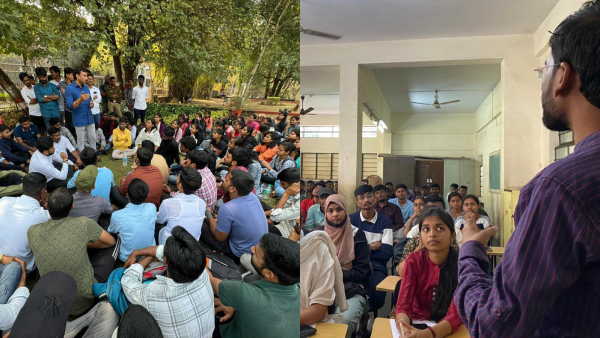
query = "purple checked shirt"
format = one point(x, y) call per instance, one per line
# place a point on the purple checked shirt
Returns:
point(548, 284)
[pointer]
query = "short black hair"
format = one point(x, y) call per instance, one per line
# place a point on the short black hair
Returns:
point(88, 156)
point(295, 118)
point(199, 158)
point(69, 70)
point(148, 144)
point(137, 322)
point(53, 131)
point(78, 70)
point(282, 257)
point(435, 185)
point(425, 187)
point(23, 118)
point(401, 186)
point(241, 156)
point(188, 143)
point(186, 259)
point(310, 181)
point(242, 181)
point(364, 180)
point(464, 187)
point(137, 191)
point(191, 180)
point(363, 189)
point(379, 187)
point(60, 202)
point(454, 194)
point(122, 119)
point(264, 128)
point(40, 71)
point(434, 199)
point(390, 183)
point(33, 184)
point(321, 184)
point(55, 69)
point(329, 181)
point(55, 120)
point(3, 127)
point(576, 42)
point(454, 185)
point(23, 75)
point(141, 77)
point(290, 175)
point(169, 131)
point(145, 156)
point(43, 143)
point(289, 147)
point(113, 78)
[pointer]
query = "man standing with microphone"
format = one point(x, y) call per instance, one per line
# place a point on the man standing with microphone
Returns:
point(79, 102)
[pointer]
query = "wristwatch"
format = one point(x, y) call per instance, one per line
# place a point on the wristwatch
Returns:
point(45, 96)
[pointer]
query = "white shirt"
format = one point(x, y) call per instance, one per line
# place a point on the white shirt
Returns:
point(17, 215)
point(414, 233)
point(43, 165)
point(287, 215)
point(28, 95)
point(10, 310)
point(185, 210)
point(139, 96)
point(153, 136)
point(61, 147)
point(183, 310)
point(95, 92)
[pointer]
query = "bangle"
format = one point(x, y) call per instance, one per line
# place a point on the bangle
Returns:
point(432, 332)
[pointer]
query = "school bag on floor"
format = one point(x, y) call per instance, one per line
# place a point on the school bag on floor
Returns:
point(221, 266)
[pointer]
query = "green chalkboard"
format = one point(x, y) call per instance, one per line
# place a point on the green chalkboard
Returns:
point(495, 171)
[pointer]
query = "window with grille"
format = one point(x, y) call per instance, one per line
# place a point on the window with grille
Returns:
point(369, 165)
point(332, 131)
point(319, 166)
point(566, 145)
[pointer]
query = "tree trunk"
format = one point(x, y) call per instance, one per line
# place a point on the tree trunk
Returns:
point(279, 86)
point(267, 80)
point(13, 91)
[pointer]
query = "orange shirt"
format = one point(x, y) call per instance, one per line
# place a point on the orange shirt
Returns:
point(265, 153)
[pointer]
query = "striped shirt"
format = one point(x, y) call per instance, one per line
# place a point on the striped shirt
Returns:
point(548, 284)
point(378, 229)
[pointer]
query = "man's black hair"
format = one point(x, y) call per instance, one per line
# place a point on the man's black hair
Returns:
point(464, 187)
point(401, 185)
point(282, 257)
point(434, 199)
point(576, 42)
point(137, 191)
point(242, 181)
point(148, 144)
point(145, 155)
point(142, 77)
point(78, 70)
point(295, 118)
point(454, 185)
point(289, 175)
point(364, 180)
point(328, 182)
point(23, 118)
point(122, 119)
point(3, 127)
point(185, 257)
point(54, 120)
point(191, 180)
point(88, 156)
point(23, 75)
point(188, 142)
point(69, 70)
point(53, 131)
point(310, 181)
point(390, 183)
point(33, 184)
point(379, 187)
point(435, 185)
point(363, 189)
point(321, 184)
point(137, 322)
point(113, 78)
point(264, 128)
point(43, 143)
point(289, 147)
point(40, 71)
point(199, 158)
point(169, 131)
point(241, 156)
point(54, 69)
point(59, 203)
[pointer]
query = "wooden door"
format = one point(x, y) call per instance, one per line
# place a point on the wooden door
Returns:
point(430, 171)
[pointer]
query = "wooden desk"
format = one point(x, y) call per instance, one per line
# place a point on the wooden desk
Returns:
point(496, 251)
point(388, 284)
point(382, 329)
point(330, 330)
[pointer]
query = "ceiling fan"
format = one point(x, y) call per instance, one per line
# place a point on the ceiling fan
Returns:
point(320, 34)
point(305, 111)
point(436, 103)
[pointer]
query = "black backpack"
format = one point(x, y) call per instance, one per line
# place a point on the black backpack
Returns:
point(222, 267)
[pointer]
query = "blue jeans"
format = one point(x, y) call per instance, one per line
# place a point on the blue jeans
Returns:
point(139, 113)
point(47, 122)
point(357, 308)
point(176, 169)
point(97, 118)
point(10, 275)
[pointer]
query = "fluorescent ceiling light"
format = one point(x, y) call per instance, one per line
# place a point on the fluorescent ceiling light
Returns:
point(380, 127)
point(382, 124)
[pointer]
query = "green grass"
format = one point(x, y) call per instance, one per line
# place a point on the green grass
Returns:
point(116, 166)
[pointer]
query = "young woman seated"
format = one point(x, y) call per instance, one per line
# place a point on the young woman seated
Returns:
point(455, 202)
point(470, 203)
point(430, 279)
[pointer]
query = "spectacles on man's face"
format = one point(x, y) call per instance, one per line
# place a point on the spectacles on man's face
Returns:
point(543, 70)
point(365, 196)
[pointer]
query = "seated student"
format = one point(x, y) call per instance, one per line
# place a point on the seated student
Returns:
point(413, 221)
point(168, 147)
point(187, 144)
point(105, 179)
point(247, 136)
point(401, 200)
point(55, 122)
point(262, 131)
point(10, 182)
point(470, 203)
point(316, 213)
point(228, 127)
point(62, 145)
point(21, 156)
point(237, 128)
point(455, 203)
point(5, 165)
point(254, 167)
point(26, 133)
point(281, 161)
point(309, 202)
point(61, 244)
point(41, 162)
point(121, 140)
point(432, 270)
point(379, 234)
point(133, 129)
point(150, 133)
point(241, 221)
point(103, 119)
point(13, 290)
point(268, 148)
point(157, 161)
point(287, 208)
point(390, 210)
point(434, 200)
point(364, 182)
point(390, 190)
point(276, 294)
point(101, 145)
point(109, 126)
point(20, 213)
point(84, 203)
point(178, 133)
point(195, 131)
point(198, 160)
point(147, 173)
point(453, 188)
point(137, 322)
point(181, 301)
point(185, 209)
point(219, 143)
point(136, 222)
point(237, 158)
point(353, 253)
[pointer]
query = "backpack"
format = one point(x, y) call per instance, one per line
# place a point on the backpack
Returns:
point(221, 266)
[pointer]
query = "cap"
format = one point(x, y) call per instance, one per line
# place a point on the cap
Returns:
point(325, 191)
point(87, 178)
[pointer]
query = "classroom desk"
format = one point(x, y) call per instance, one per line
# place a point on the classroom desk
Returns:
point(496, 251)
point(330, 330)
point(383, 329)
point(388, 284)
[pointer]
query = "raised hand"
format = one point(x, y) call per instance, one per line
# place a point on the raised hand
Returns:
point(471, 232)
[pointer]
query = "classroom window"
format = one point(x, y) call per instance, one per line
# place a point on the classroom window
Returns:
point(369, 165)
point(319, 166)
point(566, 145)
point(332, 131)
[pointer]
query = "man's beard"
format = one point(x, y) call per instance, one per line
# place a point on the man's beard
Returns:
point(44, 81)
point(258, 270)
point(553, 118)
point(335, 225)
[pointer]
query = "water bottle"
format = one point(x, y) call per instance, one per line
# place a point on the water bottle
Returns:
point(268, 191)
point(124, 160)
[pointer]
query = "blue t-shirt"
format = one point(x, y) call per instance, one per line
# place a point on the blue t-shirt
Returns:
point(135, 225)
point(243, 218)
point(104, 182)
point(407, 210)
point(30, 135)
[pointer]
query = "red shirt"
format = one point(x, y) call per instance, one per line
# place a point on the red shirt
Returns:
point(417, 291)
point(304, 206)
point(152, 177)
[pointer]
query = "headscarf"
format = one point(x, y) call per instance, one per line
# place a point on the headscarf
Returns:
point(342, 237)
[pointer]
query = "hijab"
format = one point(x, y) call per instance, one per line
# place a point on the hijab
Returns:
point(342, 236)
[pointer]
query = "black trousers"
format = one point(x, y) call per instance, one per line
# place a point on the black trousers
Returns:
point(23, 154)
point(69, 122)
point(222, 247)
point(117, 199)
point(39, 122)
point(103, 260)
point(55, 183)
point(11, 179)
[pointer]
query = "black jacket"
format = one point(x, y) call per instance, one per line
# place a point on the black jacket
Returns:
point(251, 140)
point(169, 150)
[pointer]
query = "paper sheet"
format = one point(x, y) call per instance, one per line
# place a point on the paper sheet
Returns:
point(396, 333)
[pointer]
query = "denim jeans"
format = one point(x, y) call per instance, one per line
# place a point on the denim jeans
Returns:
point(101, 321)
point(357, 308)
point(10, 275)
point(47, 122)
point(176, 170)
point(97, 118)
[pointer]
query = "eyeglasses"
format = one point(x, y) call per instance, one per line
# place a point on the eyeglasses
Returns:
point(542, 70)
point(366, 196)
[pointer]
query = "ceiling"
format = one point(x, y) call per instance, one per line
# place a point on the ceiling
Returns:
point(469, 83)
point(324, 81)
point(385, 20)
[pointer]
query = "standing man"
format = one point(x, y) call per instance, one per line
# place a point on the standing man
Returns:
point(113, 92)
point(56, 79)
point(139, 94)
point(547, 283)
point(96, 98)
point(35, 114)
point(463, 191)
point(103, 93)
point(80, 103)
point(129, 96)
point(47, 94)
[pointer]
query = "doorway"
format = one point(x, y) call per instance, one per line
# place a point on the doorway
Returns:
point(430, 171)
